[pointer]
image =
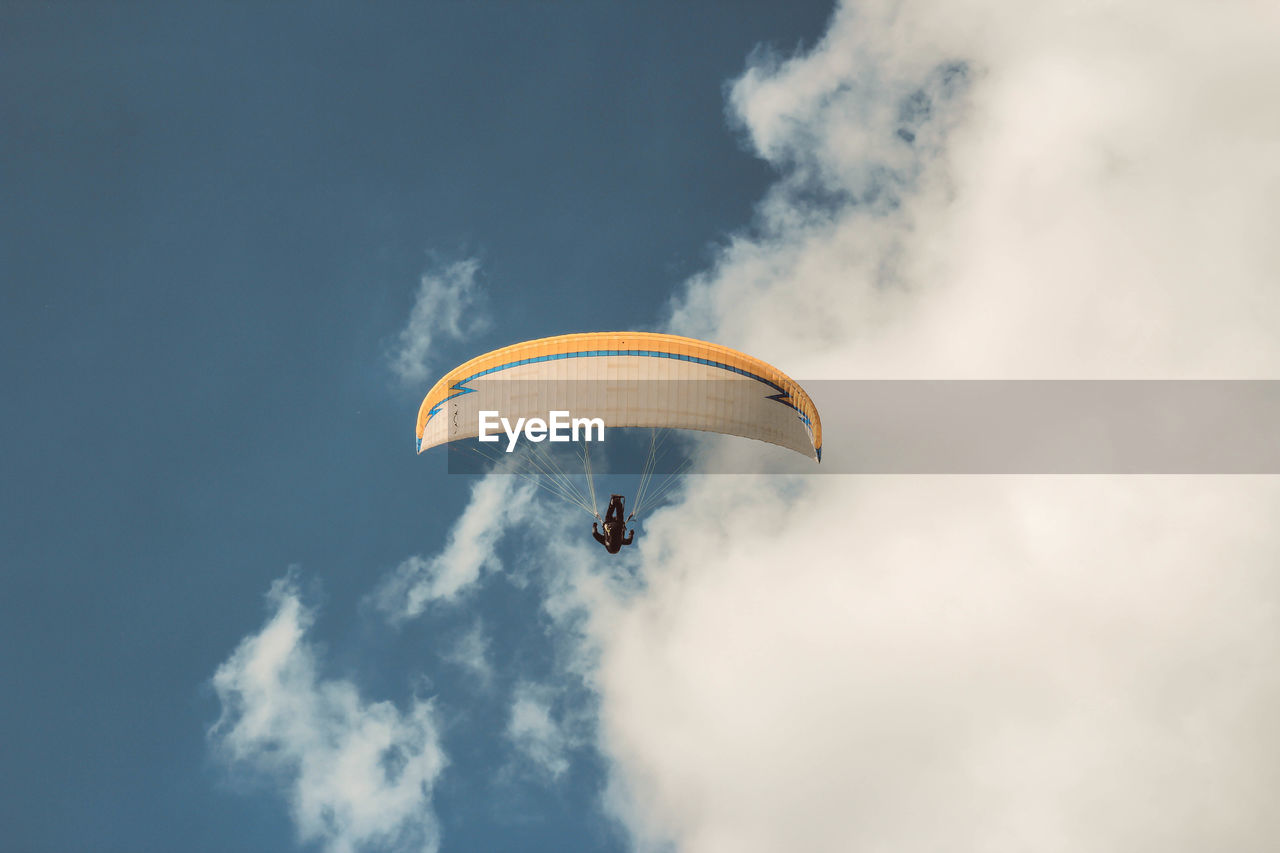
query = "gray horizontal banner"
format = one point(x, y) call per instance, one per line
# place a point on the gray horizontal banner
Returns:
point(969, 427)
point(1050, 427)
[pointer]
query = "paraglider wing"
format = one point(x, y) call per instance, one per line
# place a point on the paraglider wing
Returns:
point(628, 379)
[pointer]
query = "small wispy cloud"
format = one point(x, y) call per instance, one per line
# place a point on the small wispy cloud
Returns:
point(444, 309)
point(471, 653)
point(358, 775)
point(534, 731)
point(498, 503)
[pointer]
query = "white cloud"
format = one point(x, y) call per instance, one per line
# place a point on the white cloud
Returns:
point(443, 308)
point(913, 664)
point(498, 503)
point(1085, 205)
point(976, 663)
point(470, 652)
point(359, 774)
point(534, 731)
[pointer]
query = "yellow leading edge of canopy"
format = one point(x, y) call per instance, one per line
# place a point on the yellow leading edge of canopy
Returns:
point(653, 341)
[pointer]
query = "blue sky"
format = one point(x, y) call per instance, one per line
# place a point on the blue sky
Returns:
point(216, 221)
point(240, 614)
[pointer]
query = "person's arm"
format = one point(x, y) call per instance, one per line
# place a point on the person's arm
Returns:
point(631, 534)
point(596, 533)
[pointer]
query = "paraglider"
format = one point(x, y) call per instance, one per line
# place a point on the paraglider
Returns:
point(545, 390)
point(614, 527)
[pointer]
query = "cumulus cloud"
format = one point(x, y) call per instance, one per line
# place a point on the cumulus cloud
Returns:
point(443, 309)
point(911, 665)
point(359, 774)
point(974, 193)
point(975, 189)
point(498, 502)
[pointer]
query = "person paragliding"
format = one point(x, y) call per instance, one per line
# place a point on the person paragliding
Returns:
point(620, 380)
point(615, 527)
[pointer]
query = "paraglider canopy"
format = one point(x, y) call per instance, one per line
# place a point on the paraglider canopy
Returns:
point(627, 379)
